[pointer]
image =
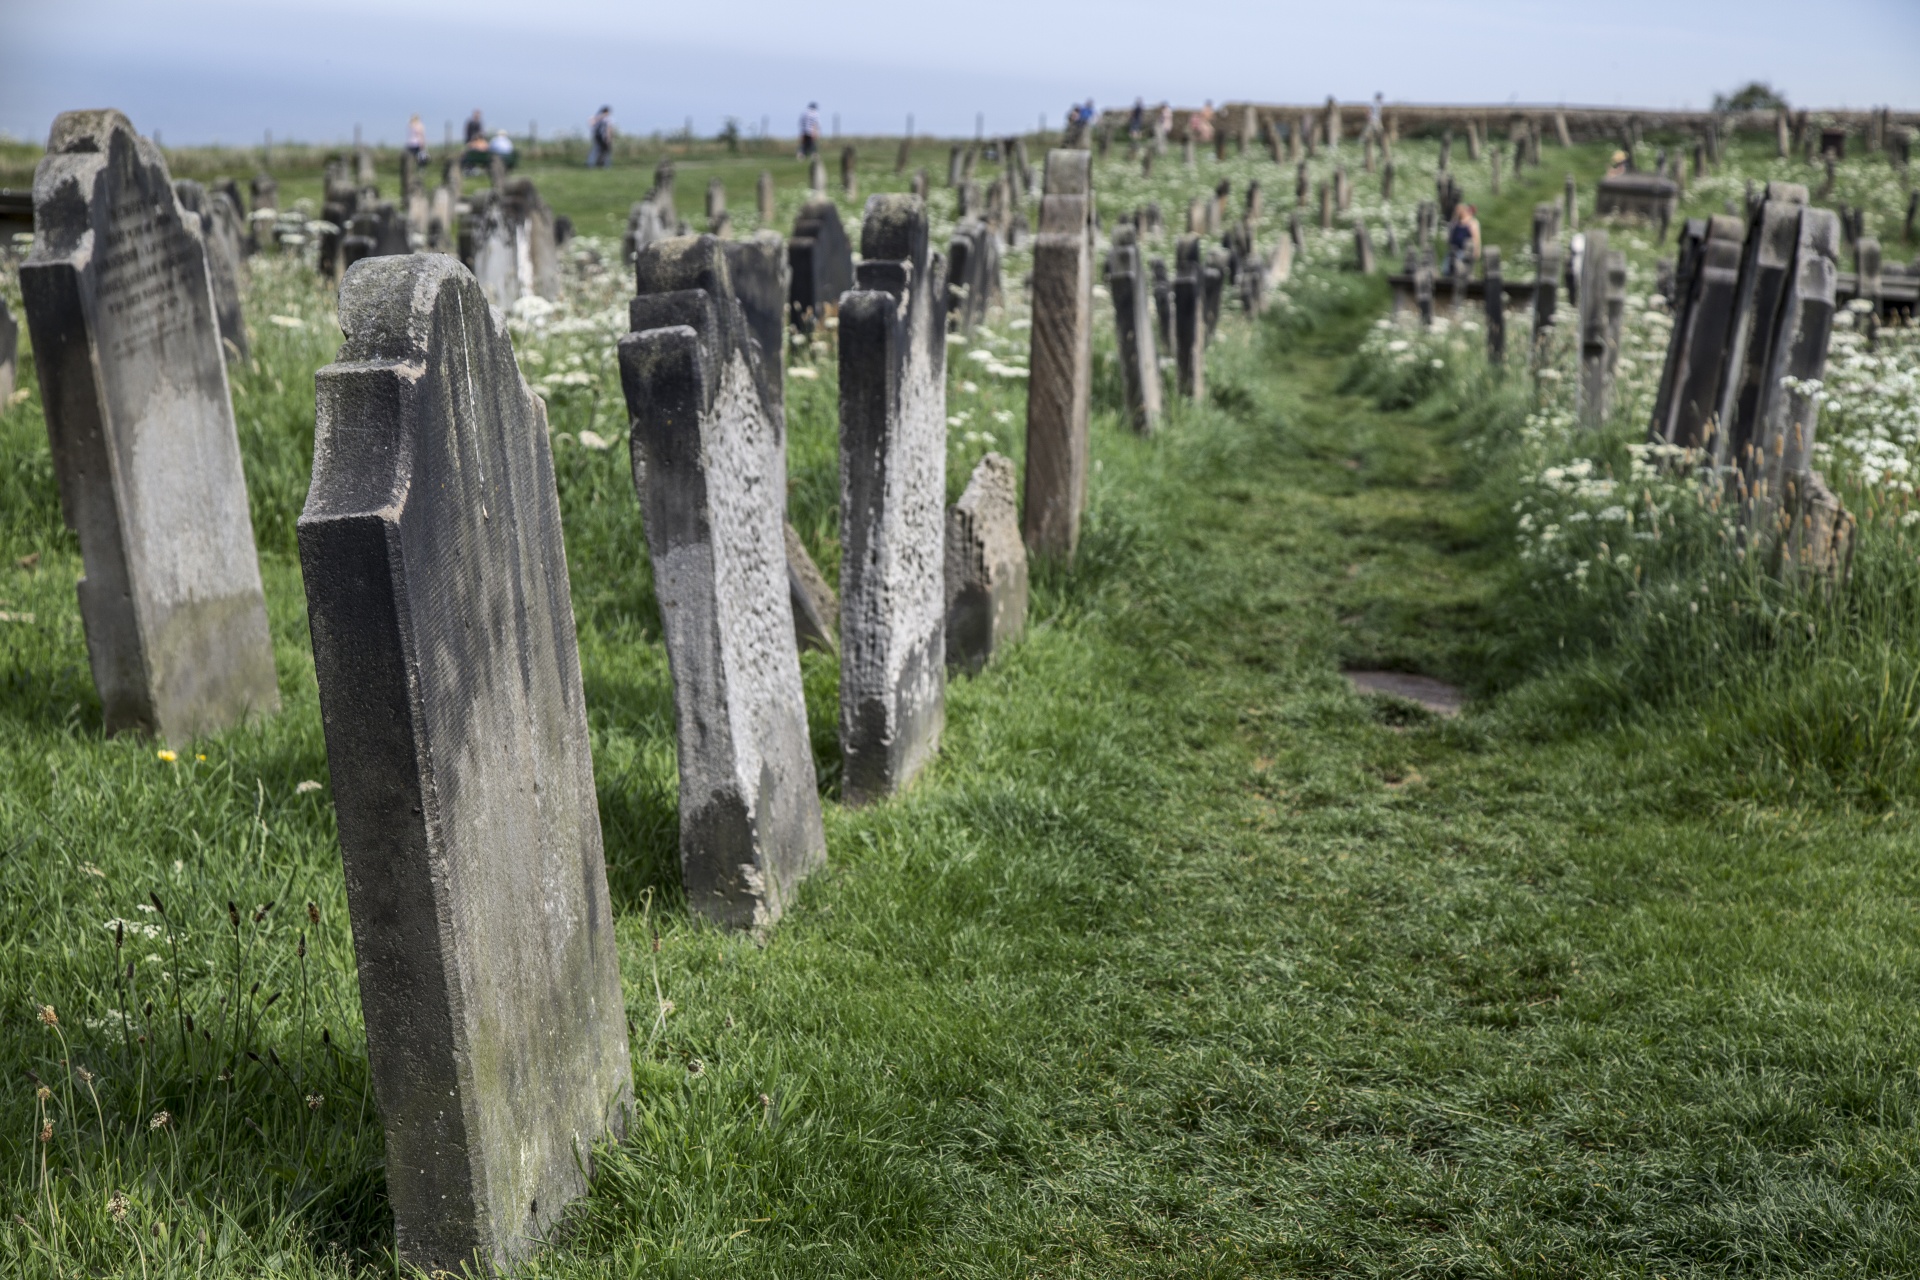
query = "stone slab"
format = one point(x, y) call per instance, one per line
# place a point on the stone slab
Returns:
point(821, 260)
point(1133, 320)
point(127, 346)
point(1060, 377)
point(986, 567)
point(456, 732)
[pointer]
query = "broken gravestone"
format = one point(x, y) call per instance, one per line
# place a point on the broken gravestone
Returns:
point(515, 253)
point(986, 567)
point(709, 465)
point(1059, 383)
point(140, 421)
point(456, 732)
point(821, 260)
point(1133, 331)
point(893, 486)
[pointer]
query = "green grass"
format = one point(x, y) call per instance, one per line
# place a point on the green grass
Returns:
point(1183, 960)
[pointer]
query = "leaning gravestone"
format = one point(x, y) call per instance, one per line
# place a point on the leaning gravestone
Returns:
point(709, 465)
point(893, 485)
point(1162, 304)
point(1133, 331)
point(140, 421)
point(986, 567)
point(456, 732)
point(1706, 277)
point(821, 261)
point(9, 355)
point(221, 237)
point(1793, 357)
point(1059, 382)
point(1189, 319)
point(1766, 259)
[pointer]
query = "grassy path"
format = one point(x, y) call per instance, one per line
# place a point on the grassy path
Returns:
point(1189, 962)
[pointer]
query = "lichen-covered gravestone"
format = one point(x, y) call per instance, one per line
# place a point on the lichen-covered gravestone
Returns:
point(456, 733)
point(821, 259)
point(986, 567)
point(1133, 331)
point(1059, 382)
point(893, 486)
point(138, 413)
point(709, 465)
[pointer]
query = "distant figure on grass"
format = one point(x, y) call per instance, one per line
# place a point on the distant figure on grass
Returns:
point(476, 127)
point(1200, 127)
point(502, 146)
point(476, 155)
point(1376, 114)
point(1164, 128)
point(600, 139)
point(1137, 120)
point(1617, 165)
point(417, 140)
point(810, 131)
point(1463, 241)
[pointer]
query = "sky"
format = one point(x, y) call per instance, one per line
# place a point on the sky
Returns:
point(203, 71)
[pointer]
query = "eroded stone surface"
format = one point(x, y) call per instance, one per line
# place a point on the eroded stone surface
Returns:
point(456, 732)
point(1059, 382)
point(709, 465)
point(1436, 696)
point(515, 254)
point(986, 569)
point(127, 347)
point(1132, 293)
point(893, 484)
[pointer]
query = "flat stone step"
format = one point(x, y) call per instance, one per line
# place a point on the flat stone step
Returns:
point(1436, 696)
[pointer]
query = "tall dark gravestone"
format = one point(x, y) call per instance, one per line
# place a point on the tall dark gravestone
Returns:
point(1133, 331)
point(821, 263)
point(1496, 305)
point(1706, 278)
point(1189, 319)
point(1777, 463)
point(456, 733)
point(893, 488)
point(1773, 231)
point(515, 252)
point(1059, 383)
point(709, 463)
point(140, 420)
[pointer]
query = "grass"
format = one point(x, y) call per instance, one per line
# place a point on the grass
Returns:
point(1183, 960)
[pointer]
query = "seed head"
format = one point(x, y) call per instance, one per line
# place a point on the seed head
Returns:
point(696, 1067)
point(119, 934)
point(233, 914)
point(86, 1076)
point(157, 904)
point(301, 950)
point(161, 1120)
point(46, 1132)
point(313, 913)
point(43, 1093)
point(314, 1100)
point(117, 1206)
point(48, 1016)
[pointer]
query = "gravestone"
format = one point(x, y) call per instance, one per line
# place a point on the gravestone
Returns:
point(1706, 277)
point(1213, 277)
point(817, 176)
point(1643, 196)
point(893, 486)
point(456, 732)
point(1776, 474)
point(1162, 304)
point(1386, 181)
point(849, 172)
point(953, 166)
point(764, 190)
point(816, 609)
point(716, 200)
point(985, 567)
point(917, 185)
point(514, 251)
point(1133, 332)
point(1060, 364)
point(9, 355)
point(973, 275)
point(1546, 290)
point(1342, 189)
point(140, 423)
point(1766, 258)
point(1326, 207)
point(1189, 319)
point(1254, 205)
point(221, 237)
point(1496, 305)
point(709, 462)
point(1560, 129)
point(1362, 248)
point(265, 194)
point(821, 262)
point(1421, 270)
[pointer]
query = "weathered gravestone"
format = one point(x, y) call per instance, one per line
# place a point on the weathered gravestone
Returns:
point(1133, 331)
point(140, 421)
point(849, 172)
point(1213, 278)
point(1162, 304)
point(9, 354)
point(986, 567)
point(764, 191)
point(1599, 332)
point(1766, 257)
point(893, 484)
point(456, 731)
point(817, 176)
point(1362, 248)
point(1189, 319)
point(716, 201)
point(1546, 293)
point(1059, 383)
point(1706, 276)
point(221, 236)
point(1496, 305)
point(514, 251)
point(709, 463)
point(973, 275)
point(821, 262)
point(1643, 196)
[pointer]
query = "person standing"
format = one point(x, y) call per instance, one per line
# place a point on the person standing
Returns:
point(475, 127)
point(600, 135)
point(417, 140)
point(1463, 241)
point(810, 131)
point(1200, 127)
point(1137, 120)
point(1376, 115)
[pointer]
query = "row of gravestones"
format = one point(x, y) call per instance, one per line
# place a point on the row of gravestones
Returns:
point(438, 602)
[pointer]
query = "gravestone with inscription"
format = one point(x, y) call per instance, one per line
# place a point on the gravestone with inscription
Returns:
point(1059, 382)
point(821, 262)
point(222, 239)
point(986, 567)
point(140, 420)
point(456, 730)
point(1133, 331)
point(709, 461)
point(893, 485)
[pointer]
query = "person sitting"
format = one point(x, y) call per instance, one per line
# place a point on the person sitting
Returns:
point(1200, 127)
point(1617, 165)
point(502, 146)
point(477, 155)
point(475, 128)
point(1463, 240)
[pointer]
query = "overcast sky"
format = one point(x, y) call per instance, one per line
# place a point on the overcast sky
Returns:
point(215, 70)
